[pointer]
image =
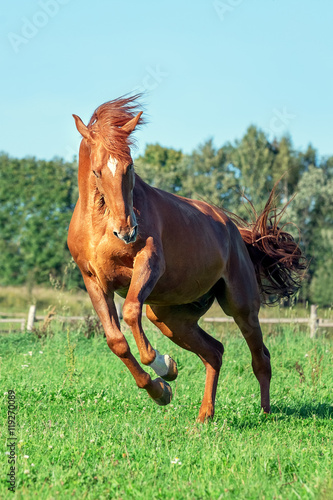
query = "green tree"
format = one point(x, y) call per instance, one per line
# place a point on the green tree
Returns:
point(312, 213)
point(160, 167)
point(253, 159)
point(210, 176)
point(321, 284)
point(36, 204)
point(288, 166)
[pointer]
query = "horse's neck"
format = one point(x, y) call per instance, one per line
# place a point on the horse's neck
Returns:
point(142, 186)
point(141, 194)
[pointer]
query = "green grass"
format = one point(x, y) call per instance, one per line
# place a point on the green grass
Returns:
point(90, 433)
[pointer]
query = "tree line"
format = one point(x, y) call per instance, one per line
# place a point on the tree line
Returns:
point(37, 199)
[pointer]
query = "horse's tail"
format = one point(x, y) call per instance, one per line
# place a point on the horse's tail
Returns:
point(277, 258)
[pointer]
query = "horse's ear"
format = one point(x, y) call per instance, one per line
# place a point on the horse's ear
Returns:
point(130, 126)
point(82, 128)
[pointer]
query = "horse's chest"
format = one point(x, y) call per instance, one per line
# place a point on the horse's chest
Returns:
point(112, 267)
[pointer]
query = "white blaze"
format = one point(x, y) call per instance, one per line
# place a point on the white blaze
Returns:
point(112, 164)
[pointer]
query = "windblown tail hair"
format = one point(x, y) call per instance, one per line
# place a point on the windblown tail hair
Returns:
point(279, 263)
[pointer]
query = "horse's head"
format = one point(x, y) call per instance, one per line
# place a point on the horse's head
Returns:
point(112, 167)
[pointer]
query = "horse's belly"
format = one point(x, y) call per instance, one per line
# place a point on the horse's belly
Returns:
point(184, 286)
point(194, 263)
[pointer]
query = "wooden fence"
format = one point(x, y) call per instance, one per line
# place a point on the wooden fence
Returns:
point(27, 323)
point(312, 321)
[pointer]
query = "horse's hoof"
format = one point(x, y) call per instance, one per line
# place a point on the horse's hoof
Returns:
point(172, 371)
point(203, 419)
point(166, 396)
point(206, 414)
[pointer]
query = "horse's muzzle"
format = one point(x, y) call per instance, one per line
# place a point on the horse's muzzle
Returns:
point(127, 237)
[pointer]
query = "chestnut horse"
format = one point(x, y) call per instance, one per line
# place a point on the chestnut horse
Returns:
point(174, 254)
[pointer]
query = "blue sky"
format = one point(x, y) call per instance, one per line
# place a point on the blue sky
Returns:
point(209, 69)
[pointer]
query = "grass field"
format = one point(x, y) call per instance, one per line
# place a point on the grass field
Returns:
point(85, 431)
point(18, 299)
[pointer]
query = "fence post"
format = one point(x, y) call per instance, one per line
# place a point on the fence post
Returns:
point(31, 318)
point(313, 321)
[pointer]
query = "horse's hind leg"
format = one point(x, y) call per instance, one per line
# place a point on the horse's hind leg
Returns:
point(180, 325)
point(248, 323)
point(242, 302)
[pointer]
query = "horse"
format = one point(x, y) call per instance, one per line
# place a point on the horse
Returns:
point(173, 254)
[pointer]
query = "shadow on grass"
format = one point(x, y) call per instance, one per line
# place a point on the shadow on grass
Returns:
point(320, 410)
point(279, 413)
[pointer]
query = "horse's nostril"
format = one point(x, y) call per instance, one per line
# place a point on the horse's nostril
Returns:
point(115, 233)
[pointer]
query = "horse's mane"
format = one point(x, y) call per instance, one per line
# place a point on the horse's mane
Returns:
point(107, 120)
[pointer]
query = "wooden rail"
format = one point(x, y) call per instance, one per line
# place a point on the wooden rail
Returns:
point(313, 321)
point(14, 320)
point(28, 324)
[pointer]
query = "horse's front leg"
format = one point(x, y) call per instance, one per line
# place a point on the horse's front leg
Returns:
point(148, 267)
point(104, 306)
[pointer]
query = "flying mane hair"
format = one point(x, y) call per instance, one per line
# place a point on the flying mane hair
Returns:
point(107, 120)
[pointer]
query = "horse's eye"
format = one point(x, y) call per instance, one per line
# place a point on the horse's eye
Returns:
point(96, 174)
